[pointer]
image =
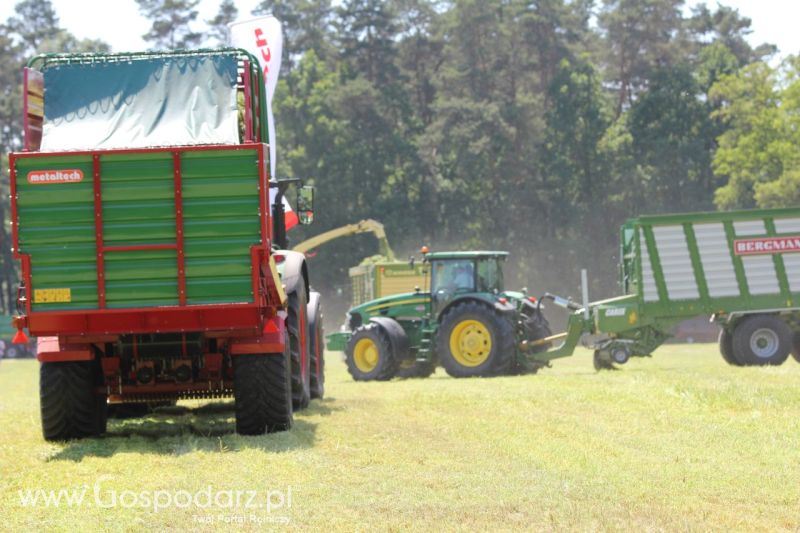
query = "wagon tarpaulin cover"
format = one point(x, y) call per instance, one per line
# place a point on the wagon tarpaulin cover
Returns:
point(139, 104)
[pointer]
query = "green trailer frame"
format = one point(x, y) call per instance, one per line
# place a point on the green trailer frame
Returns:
point(727, 265)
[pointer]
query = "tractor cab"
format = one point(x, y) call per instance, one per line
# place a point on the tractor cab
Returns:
point(456, 273)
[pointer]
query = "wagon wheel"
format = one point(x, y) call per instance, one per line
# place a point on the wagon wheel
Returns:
point(762, 340)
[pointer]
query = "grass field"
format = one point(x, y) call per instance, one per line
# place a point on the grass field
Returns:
point(679, 441)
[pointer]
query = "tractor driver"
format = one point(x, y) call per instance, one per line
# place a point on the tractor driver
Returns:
point(464, 276)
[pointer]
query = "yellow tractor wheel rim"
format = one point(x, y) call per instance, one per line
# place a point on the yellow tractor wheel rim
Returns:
point(470, 343)
point(366, 355)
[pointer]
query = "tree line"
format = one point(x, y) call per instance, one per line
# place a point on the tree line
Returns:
point(534, 126)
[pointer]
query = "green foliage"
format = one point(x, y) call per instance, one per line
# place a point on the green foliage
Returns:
point(171, 23)
point(532, 125)
point(758, 152)
point(218, 26)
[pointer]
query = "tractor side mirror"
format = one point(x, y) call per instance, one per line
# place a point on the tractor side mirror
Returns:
point(305, 204)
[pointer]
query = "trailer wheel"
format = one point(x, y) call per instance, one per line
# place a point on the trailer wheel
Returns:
point(262, 390)
point(415, 369)
point(796, 347)
point(475, 340)
point(297, 324)
point(69, 407)
point(602, 363)
point(762, 340)
point(726, 348)
point(317, 346)
point(369, 354)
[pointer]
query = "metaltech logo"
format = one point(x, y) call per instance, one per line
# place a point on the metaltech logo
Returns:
point(44, 177)
point(767, 245)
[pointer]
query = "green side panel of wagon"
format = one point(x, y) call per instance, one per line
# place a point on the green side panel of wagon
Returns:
point(220, 219)
point(689, 264)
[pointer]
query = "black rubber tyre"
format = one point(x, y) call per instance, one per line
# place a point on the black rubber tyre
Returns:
point(317, 346)
point(69, 407)
point(535, 326)
point(497, 361)
point(796, 347)
point(726, 348)
point(297, 324)
point(600, 363)
point(415, 369)
point(369, 355)
point(262, 391)
point(760, 340)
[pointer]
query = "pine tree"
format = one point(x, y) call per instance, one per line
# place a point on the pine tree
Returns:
point(218, 26)
point(171, 23)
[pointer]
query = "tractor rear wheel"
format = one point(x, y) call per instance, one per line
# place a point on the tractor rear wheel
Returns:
point(369, 355)
point(760, 340)
point(262, 391)
point(475, 340)
point(726, 348)
point(69, 406)
point(297, 324)
point(317, 346)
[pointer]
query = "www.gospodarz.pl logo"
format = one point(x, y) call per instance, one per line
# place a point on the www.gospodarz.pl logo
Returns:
point(44, 177)
point(273, 502)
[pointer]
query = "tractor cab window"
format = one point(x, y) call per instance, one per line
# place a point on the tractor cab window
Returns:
point(490, 275)
point(453, 276)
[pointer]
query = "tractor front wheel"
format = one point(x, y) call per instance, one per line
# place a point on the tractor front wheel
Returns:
point(475, 340)
point(760, 340)
point(69, 406)
point(369, 354)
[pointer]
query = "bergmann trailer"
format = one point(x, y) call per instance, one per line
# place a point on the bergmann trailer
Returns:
point(740, 268)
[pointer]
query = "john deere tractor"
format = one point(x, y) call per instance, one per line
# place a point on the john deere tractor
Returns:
point(462, 319)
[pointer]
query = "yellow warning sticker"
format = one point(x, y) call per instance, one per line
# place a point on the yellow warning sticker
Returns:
point(51, 296)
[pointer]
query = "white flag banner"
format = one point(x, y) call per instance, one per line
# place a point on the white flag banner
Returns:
point(263, 38)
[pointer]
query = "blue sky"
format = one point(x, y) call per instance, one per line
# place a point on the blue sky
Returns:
point(774, 21)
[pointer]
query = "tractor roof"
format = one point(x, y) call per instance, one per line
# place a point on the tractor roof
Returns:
point(465, 255)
